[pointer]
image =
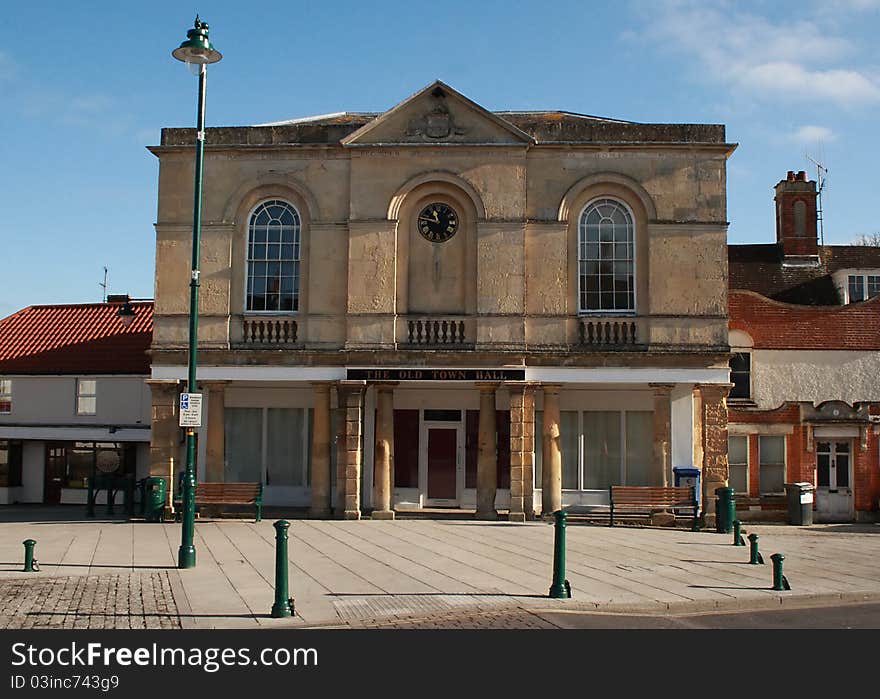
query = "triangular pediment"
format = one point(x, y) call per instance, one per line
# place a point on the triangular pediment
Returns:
point(437, 114)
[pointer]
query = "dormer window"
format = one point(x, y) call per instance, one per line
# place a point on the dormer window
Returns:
point(861, 287)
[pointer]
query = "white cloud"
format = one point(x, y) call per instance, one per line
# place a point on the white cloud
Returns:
point(785, 79)
point(813, 134)
point(800, 60)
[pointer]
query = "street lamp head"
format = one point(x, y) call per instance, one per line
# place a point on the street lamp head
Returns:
point(197, 48)
point(126, 314)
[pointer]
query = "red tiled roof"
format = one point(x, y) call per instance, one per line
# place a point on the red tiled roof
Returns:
point(84, 338)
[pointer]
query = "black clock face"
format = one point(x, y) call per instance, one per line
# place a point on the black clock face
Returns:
point(438, 222)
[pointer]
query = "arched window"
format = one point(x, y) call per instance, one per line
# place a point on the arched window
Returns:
point(606, 258)
point(273, 258)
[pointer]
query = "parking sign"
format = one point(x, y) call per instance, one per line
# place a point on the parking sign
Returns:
point(190, 409)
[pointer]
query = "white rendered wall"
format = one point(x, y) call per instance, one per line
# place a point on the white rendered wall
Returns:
point(814, 375)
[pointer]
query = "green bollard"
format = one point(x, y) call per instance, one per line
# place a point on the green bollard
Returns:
point(737, 534)
point(780, 582)
point(560, 589)
point(755, 557)
point(30, 563)
point(283, 606)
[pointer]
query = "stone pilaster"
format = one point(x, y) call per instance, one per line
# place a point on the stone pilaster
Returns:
point(165, 434)
point(383, 455)
point(320, 466)
point(348, 455)
point(716, 471)
point(662, 431)
point(487, 462)
point(215, 449)
point(551, 456)
point(522, 452)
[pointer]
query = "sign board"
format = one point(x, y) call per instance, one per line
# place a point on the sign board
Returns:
point(190, 409)
point(436, 374)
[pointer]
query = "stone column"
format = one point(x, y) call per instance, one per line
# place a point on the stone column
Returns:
point(215, 449)
point(522, 452)
point(662, 431)
point(716, 470)
point(348, 447)
point(551, 476)
point(320, 466)
point(487, 462)
point(165, 434)
point(383, 455)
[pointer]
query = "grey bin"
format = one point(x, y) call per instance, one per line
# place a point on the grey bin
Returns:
point(799, 497)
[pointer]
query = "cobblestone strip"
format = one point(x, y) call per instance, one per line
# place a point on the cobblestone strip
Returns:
point(515, 618)
point(138, 600)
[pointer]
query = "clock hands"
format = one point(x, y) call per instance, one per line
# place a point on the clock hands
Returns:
point(436, 218)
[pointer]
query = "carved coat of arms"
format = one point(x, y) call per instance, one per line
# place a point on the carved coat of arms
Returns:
point(435, 125)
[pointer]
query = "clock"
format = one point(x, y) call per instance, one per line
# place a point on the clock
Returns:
point(438, 222)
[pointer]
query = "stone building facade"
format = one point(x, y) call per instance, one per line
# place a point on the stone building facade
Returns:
point(443, 306)
point(805, 337)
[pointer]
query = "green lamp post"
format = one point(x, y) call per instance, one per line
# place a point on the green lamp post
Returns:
point(197, 52)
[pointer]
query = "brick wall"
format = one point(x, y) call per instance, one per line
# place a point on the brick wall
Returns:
point(776, 325)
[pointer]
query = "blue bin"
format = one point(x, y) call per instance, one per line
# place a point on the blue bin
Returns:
point(688, 476)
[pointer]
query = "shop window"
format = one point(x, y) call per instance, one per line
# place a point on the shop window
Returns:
point(5, 396)
point(771, 455)
point(268, 445)
point(86, 396)
point(76, 462)
point(617, 449)
point(741, 375)
point(606, 258)
point(10, 463)
point(273, 258)
point(738, 459)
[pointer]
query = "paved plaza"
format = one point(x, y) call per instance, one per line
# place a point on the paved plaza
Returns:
point(120, 574)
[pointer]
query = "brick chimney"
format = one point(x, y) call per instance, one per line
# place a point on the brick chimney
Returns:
point(796, 219)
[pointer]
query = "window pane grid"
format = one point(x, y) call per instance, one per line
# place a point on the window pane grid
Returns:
point(273, 258)
point(771, 457)
point(605, 258)
point(856, 288)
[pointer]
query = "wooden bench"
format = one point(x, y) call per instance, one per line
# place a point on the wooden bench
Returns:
point(226, 494)
point(646, 500)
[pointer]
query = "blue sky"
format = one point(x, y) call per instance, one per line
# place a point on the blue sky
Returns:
point(86, 86)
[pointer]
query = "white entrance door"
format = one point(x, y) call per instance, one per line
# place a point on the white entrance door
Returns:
point(834, 501)
point(443, 464)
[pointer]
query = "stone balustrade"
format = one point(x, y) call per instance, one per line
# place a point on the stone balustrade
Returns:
point(608, 332)
point(435, 332)
point(269, 330)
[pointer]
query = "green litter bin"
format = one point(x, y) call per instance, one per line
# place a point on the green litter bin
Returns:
point(725, 510)
point(155, 491)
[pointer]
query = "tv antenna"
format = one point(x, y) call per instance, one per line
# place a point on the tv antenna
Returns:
point(821, 175)
point(103, 285)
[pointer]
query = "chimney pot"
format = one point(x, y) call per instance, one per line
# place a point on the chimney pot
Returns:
point(790, 176)
point(802, 176)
